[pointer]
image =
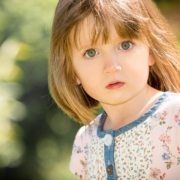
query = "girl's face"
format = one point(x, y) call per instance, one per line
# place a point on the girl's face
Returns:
point(112, 72)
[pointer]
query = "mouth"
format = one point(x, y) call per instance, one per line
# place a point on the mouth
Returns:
point(115, 85)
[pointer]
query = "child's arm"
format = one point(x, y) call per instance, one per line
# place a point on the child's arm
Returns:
point(79, 155)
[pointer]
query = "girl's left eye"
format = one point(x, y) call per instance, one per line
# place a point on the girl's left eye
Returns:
point(90, 53)
point(126, 45)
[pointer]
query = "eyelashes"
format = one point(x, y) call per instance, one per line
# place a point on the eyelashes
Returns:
point(91, 53)
point(126, 45)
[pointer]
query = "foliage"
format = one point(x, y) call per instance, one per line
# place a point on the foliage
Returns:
point(35, 137)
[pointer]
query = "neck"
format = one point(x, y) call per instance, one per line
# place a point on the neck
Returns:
point(125, 113)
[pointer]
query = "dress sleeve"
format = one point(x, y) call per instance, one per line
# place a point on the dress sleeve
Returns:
point(79, 155)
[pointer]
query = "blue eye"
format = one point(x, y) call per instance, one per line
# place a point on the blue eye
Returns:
point(91, 53)
point(126, 45)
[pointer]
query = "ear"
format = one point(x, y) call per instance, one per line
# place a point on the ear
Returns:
point(151, 58)
point(78, 81)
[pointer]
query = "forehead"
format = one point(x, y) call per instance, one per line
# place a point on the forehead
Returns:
point(90, 32)
point(94, 28)
point(84, 31)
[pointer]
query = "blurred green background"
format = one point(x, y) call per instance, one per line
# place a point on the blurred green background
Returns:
point(35, 136)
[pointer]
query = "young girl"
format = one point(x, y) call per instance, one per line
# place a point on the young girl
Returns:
point(121, 55)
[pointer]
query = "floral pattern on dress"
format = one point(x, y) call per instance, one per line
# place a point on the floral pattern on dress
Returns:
point(160, 117)
point(169, 158)
point(148, 151)
point(78, 150)
point(95, 161)
point(156, 174)
point(177, 118)
point(133, 155)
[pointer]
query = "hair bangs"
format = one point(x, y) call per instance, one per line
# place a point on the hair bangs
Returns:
point(128, 26)
point(99, 29)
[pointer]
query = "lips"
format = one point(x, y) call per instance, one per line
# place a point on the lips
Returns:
point(115, 85)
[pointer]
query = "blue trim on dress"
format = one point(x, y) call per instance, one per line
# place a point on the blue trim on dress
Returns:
point(133, 124)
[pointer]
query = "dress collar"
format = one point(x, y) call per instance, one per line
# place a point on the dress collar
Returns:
point(131, 125)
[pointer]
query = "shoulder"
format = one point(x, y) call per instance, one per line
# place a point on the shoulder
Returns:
point(171, 103)
point(80, 148)
point(174, 95)
point(169, 111)
point(173, 100)
point(87, 131)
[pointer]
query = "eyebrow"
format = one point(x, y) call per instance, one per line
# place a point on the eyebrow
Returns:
point(83, 47)
point(89, 46)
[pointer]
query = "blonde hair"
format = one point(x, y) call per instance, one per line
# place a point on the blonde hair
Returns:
point(132, 19)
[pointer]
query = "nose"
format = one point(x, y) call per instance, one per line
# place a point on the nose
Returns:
point(111, 64)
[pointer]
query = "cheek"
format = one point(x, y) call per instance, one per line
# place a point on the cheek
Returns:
point(138, 67)
point(84, 75)
point(86, 70)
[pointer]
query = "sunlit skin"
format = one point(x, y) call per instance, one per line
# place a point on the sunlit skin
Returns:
point(115, 73)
